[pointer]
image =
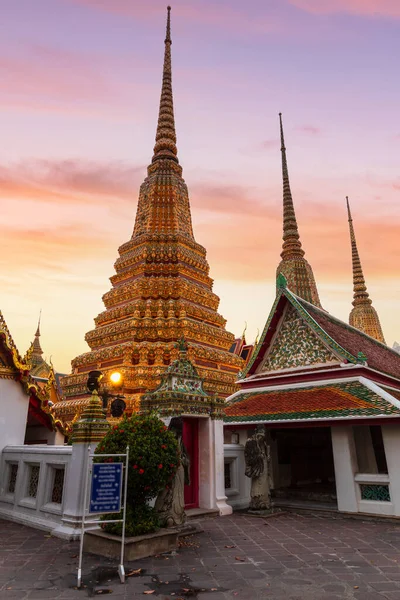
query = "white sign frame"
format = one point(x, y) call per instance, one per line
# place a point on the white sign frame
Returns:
point(85, 512)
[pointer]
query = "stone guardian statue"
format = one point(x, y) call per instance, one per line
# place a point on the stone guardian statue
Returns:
point(256, 455)
point(170, 503)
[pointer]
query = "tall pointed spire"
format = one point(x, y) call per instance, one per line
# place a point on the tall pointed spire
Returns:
point(165, 146)
point(291, 238)
point(293, 265)
point(363, 316)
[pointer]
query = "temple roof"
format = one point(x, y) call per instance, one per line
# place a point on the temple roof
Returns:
point(20, 369)
point(347, 343)
point(378, 355)
point(326, 402)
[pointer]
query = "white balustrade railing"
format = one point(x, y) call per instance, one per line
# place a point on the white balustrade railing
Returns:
point(32, 483)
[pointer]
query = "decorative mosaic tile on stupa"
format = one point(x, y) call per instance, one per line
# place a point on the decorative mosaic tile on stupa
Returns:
point(296, 346)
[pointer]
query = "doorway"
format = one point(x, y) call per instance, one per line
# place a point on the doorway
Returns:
point(191, 441)
point(304, 465)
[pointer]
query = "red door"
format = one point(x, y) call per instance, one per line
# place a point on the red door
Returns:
point(191, 441)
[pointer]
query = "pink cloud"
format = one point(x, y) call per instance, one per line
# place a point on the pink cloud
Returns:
point(224, 17)
point(271, 143)
point(370, 8)
point(50, 79)
point(240, 227)
point(71, 181)
point(309, 129)
point(52, 249)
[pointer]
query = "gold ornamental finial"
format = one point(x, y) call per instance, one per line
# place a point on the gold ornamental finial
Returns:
point(363, 316)
point(291, 238)
point(165, 146)
point(37, 349)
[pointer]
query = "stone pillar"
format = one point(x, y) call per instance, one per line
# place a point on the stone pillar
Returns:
point(391, 441)
point(88, 431)
point(206, 465)
point(217, 451)
point(345, 461)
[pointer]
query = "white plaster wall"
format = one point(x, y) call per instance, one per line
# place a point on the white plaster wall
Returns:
point(42, 433)
point(238, 496)
point(391, 441)
point(14, 405)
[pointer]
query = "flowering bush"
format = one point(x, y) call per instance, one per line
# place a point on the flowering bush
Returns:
point(153, 461)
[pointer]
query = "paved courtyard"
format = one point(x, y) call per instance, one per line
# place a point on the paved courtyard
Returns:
point(289, 556)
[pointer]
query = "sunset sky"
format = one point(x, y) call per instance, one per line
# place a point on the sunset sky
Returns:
point(79, 91)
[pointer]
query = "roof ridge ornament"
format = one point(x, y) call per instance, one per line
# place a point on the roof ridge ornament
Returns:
point(281, 282)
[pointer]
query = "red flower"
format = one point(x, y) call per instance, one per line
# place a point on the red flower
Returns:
point(171, 465)
point(135, 466)
point(141, 471)
point(160, 466)
point(163, 446)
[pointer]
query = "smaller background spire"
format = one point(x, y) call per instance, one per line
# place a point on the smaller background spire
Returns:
point(363, 315)
point(37, 349)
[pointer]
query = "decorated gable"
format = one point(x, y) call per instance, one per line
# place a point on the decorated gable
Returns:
point(295, 345)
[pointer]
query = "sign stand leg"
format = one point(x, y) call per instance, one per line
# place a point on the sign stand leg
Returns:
point(121, 570)
point(79, 579)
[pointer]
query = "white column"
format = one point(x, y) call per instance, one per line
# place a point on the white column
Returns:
point(391, 441)
point(345, 461)
point(74, 489)
point(218, 453)
point(206, 465)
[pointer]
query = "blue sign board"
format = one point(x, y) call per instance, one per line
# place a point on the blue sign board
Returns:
point(106, 488)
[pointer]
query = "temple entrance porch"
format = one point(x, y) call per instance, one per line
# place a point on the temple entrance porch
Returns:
point(302, 466)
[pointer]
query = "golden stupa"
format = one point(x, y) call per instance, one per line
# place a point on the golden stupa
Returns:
point(161, 291)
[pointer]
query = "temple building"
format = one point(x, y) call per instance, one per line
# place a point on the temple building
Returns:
point(328, 394)
point(241, 348)
point(26, 415)
point(161, 291)
point(363, 316)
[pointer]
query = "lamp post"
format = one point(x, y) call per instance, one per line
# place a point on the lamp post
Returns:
point(118, 405)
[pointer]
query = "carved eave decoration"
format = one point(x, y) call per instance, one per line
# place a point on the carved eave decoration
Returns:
point(12, 366)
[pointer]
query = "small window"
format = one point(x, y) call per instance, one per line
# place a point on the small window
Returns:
point(33, 481)
point(12, 478)
point(228, 475)
point(58, 486)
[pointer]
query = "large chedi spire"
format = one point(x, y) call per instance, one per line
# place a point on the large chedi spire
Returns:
point(166, 137)
point(293, 265)
point(161, 290)
point(363, 316)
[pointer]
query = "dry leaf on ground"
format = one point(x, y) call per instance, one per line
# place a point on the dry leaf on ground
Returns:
point(134, 573)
